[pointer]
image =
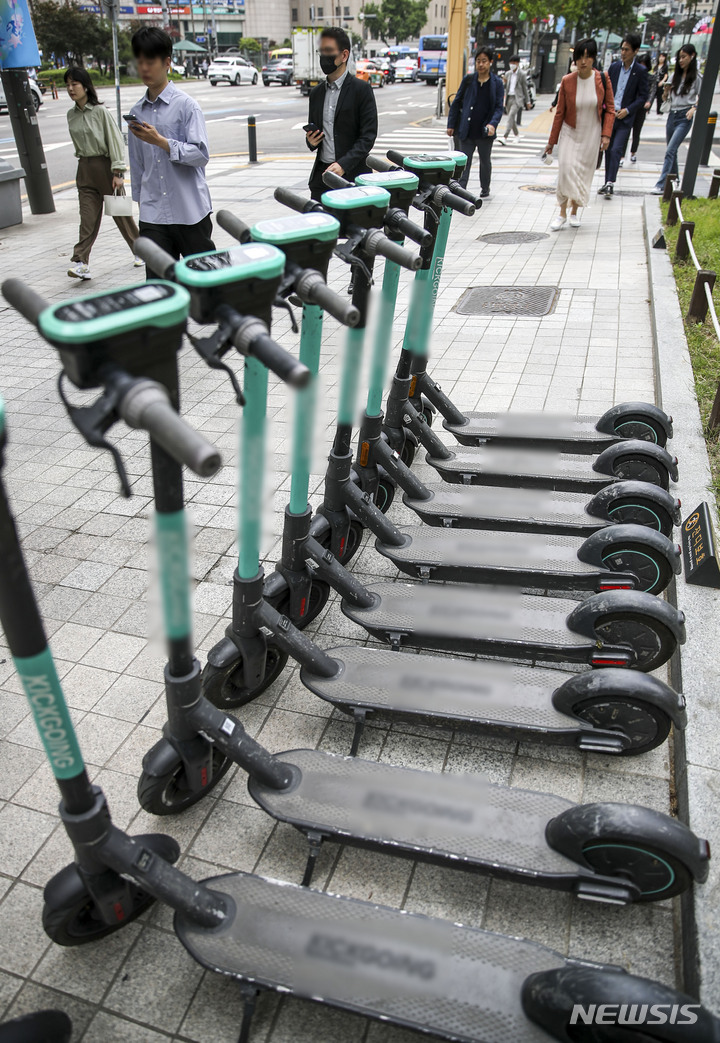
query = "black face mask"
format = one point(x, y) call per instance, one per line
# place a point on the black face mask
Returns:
point(327, 63)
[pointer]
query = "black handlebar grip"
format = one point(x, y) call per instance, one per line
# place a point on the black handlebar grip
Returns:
point(157, 260)
point(410, 230)
point(312, 288)
point(335, 181)
point(378, 243)
point(453, 202)
point(294, 200)
point(146, 405)
point(457, 189)
point(396, 157)
point(261, 345)
point(380, 165)
point(233, 226)
point(24, 299)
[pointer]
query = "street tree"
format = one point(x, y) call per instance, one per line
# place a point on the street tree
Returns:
point(396, 20)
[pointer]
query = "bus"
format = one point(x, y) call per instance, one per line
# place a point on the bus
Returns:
point(396, 54)
point(432, 57)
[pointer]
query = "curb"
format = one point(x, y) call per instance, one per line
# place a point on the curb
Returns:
point(694, 671)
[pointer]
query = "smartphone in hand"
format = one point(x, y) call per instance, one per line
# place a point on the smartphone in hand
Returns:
point(310, 128)
point(129, 118)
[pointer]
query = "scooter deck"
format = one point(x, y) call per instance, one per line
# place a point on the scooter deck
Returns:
point(525, 559)
point(576, 434)
point(510, 509)
point(441, 818)
point(457, 983)
point(472, 619)
point(431, 689)
point(503, 466)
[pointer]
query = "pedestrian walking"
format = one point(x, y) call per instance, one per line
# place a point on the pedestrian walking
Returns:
point(641, 114)
point(629, 81)
point(168, 154)
point(517, 97)
point(342, 115)
point(662, 71)
point(474, 116)
point(582, 128)
point(100, 152)
point(682, 92)
point(204, 68)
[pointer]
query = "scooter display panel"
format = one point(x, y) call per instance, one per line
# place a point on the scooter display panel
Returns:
point(420, 814)
point(414, 971)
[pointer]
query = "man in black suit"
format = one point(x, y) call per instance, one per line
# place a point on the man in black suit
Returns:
point(344, 111)
point(630, 86)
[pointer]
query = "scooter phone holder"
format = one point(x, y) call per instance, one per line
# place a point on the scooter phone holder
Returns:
point(137, 328)
point(401, 184)
point(307, 240)
point(245, 277)
point(358, 207)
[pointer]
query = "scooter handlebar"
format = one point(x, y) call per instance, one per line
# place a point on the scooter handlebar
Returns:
point(157, 260)
point(335, 181)
point(398, 158)
point(146, 405)
point(447, 198)
point(294, 200)
point(398, 222)
point(457, 189)
point(377, 242)
point(380, 165)
point(250, 336)
point(233, 226)
point(24, 299)
point(313, 289)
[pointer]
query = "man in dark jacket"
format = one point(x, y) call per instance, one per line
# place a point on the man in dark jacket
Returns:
point(629, 81)
point(474, 115)
point(344, 112)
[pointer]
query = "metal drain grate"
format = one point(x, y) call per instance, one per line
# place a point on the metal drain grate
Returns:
point(508, 300)
point(508, 238)
point(550, 189)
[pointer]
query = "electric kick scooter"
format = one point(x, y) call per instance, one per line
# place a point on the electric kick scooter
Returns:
point(403, 968)
point(609, 711)
point(500, 465)
point(380, 467)
point(614, 557)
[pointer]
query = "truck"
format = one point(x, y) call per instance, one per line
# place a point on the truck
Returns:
point(306, 64)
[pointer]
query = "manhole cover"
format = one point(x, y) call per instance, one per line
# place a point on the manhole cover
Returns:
point(507, 300)
point(506, 238)
point(538, 188)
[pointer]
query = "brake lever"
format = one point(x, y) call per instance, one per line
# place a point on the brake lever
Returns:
point(93, 421)
point(346, 252)
point(209, 349)
point(287, 306)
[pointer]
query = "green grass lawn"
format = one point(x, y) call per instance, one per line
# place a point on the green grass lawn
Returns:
point(702, 339)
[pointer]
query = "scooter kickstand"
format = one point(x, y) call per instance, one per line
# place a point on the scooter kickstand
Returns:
point(249, 994)
point(314, 844)
point(359, 716)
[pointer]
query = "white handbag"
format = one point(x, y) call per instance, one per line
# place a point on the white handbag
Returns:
point(118, 204)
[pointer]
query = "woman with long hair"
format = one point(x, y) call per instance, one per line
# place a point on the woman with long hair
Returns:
point(100, 151)
point(683, 93)
point(583, 124)
point(662, 71)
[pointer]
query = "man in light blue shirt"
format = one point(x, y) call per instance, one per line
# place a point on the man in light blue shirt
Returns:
point(168, 154)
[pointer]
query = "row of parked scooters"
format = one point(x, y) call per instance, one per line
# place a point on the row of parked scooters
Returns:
point(521, 503)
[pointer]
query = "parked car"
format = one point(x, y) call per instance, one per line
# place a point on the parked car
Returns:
point(278, 70)
point(35, 90)
point(370, 72)
point(231, 68)
point(406, 69)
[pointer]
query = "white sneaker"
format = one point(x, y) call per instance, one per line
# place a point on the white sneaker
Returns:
point(138, 263)
point(622, 162)
point(78, 270)
point(574, 220)
point(557, 223)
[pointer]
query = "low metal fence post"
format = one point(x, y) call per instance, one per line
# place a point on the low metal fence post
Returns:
point(682, 252)
point(698, 309)
point(668, 190)
point(714, 184)
point(672, 214)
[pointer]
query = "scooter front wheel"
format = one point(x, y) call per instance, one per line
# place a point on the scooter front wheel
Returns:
point(384, 495)
point(316, 602)
point(225, 686)
point(352, 541)
point(169, 794)
point(644, 725)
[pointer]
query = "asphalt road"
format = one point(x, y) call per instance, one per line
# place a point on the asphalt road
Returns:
point(280, 113)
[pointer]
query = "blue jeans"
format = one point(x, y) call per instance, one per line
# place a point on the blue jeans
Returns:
point(676, 130)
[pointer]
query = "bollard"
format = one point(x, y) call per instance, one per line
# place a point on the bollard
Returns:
point(669, 181)
point(715, 411)
point(708, 142)
point(252, 140)
point(682, 251)
point(697, 311)
point(714, 184)
point(672, 214)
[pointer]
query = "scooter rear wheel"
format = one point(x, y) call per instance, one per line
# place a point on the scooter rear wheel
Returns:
point(657, 874)
point(225, 687)
point(651, 641)
point(652, 569)
point(169, 794)
point(637, 511)
point(645, 725)
point(634, 467)
point(641, 427)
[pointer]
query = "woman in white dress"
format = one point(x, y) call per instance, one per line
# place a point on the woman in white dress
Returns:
point(583, 124)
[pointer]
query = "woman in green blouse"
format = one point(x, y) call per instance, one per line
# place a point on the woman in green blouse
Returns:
point(100, 149)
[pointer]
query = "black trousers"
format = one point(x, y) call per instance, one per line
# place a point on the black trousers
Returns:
point(616, 148)
point(484, 151)
point(637, 129)
point(316, 184)
point(180, 240)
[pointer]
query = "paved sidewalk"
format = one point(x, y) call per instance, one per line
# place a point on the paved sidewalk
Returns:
point(86, 548)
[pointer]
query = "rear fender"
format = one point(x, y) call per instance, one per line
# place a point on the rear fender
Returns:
point(598, 544)
point(609, 420)
point(622, 684)
point(587, 613)
point(603, 501)
point(605, 462)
